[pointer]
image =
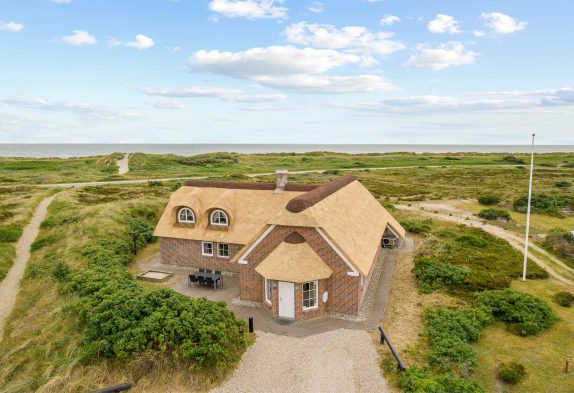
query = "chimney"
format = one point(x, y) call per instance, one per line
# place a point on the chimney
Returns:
point(281, 180)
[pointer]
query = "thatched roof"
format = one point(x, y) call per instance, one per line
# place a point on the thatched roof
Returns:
point(293, 262)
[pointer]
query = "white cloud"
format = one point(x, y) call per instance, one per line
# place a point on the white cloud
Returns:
point(272, 61)
point(229, 95)
point(141, 42)
point(352, 38)
point(443, 56)
point(249, 9)
point(501, 23)
point(79, 38)
point(319, 84)
point(317, 7)
point(388, 20)
point(479, 33)
point(549, 97)
point(11, 26)
point(444, 24)
point(167, 104)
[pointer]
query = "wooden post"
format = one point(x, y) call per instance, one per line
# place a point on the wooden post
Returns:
point(250, 324)
point(566, 366)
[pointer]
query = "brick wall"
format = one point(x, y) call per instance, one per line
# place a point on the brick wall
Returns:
point(343, 289)
point(184, 252)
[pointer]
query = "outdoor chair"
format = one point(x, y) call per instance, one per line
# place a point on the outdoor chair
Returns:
point(202, 280)
point(192, 279)
point(210, 281)
point(221, 276)
point(201, 270)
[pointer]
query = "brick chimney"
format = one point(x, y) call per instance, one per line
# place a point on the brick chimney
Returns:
point(281, 180)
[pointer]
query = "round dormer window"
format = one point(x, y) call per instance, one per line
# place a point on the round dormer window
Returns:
point(219, 217)
point(185, 215)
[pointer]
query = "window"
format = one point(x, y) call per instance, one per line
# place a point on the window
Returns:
point(207, 249)
point(218, 217)
point(310, 290)
point(223, 250)
point(186, 215)
point(268, 291)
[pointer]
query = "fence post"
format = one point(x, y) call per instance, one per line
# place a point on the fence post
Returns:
point(250, 324)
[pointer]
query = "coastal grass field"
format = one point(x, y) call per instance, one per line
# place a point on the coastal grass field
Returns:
point(42, 346)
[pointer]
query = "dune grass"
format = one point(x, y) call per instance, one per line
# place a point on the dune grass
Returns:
point(43, 342)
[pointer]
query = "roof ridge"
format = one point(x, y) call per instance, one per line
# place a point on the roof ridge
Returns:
point(310, 198)
point(248, 185)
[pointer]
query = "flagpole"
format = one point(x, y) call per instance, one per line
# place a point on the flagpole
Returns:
point(528, 211)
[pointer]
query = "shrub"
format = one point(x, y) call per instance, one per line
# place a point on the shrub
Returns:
point(473, 240)
point(420, 380)
point(450, 332)
point(525, 314)
point(154, 183)
point(545, 203)
point(560, 242)
point(45, 241)
point(563, 299)
point(494, 214)
point(432, 275)
point(512, 160)
point(563, 184)
point(488, 199)
point(511, 373)
point(10, 233)
point(143, 228)
point(62, 272)
point(417, 226)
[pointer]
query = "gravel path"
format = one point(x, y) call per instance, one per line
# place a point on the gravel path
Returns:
point(513, 239)
point(11, 284)
point(123, 164)
point(343, 361)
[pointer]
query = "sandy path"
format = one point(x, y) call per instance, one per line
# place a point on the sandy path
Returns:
point(514, 240)
point(10, 286)
point(123, 164)
point(343, 361)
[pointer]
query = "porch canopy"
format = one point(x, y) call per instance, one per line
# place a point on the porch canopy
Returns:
point(294, 263)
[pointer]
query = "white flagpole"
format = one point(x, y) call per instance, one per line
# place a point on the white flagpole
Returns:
point(528, 212)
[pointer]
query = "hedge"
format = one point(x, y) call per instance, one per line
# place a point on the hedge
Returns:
point(494, 214)
point(421, 380)
point(432, 275)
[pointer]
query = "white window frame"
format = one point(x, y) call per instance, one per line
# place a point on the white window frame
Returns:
point(192, 221)
point(219, 253)
point(316, 284)
point(219, 211)
point(267, 286)
point(203, 244)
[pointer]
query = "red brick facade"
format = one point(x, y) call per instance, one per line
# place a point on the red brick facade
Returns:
point(184, 252)
point(345, 292)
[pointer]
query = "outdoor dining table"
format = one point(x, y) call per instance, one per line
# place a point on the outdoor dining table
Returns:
point(216, 277)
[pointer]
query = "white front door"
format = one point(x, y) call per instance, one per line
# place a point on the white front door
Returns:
point(286, 300)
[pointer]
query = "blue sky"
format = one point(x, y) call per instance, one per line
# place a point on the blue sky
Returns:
point(265, 71)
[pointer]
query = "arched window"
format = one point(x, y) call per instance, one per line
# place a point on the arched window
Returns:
point(218, 217)
point(185, 215)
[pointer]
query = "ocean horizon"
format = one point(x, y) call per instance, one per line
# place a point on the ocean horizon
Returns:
point(62, 150)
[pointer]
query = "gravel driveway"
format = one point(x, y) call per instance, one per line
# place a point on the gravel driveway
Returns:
point(337, 361)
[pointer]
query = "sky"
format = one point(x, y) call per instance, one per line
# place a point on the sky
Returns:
point(286, 71)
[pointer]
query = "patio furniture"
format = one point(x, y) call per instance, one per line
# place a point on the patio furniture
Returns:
point(206, 278)
point(219, 272)
point(192, 279)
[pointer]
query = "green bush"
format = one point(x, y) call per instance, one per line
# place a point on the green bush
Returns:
point(62, 272)
point(473, 240)
point(432, 275)
point(488, 199)
point(511, 373)
point(143, 228)
point(154, 183)
point(563, 299)
point(450, 332)
point(525, 314)
point(513, 160)
point(563, 184)
point(10, 233)
point(560, 242)
point(494, 214)
point(420, 380)
point(417, 226)
point(544, 203)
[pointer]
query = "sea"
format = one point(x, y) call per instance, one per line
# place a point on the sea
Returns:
point(84, 150)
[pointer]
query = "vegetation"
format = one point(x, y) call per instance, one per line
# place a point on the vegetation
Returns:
point(563, 184)
point(417, 226)
point(561, 243)
point(432, 275)
point(563, 298)
point(83, 321)
point(511, 373)
point(550, 204)
point(494, 214)
point(421, 380)
point(488, 199)
point(525, 314)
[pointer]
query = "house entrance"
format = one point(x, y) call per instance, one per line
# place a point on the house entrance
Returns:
point(286, 300)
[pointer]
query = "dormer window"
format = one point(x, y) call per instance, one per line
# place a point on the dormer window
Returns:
point(185, 215)
point(219, 217)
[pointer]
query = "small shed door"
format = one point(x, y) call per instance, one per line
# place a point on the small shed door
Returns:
point(286, 300)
